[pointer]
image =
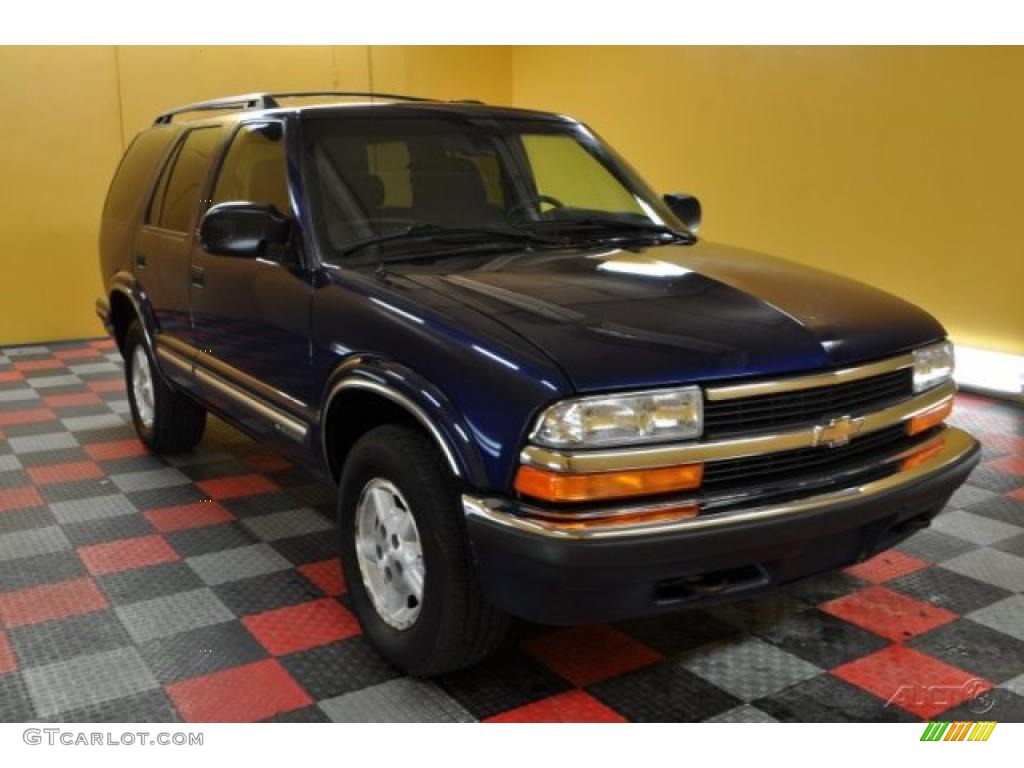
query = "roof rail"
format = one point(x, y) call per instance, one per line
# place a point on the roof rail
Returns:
point(268, 101)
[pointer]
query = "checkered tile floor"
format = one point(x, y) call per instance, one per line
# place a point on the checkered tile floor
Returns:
point(206, 587)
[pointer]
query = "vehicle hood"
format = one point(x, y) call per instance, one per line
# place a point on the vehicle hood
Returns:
point(626, 318)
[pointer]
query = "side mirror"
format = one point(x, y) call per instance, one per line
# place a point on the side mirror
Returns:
point(244, 229)
point(686, 208)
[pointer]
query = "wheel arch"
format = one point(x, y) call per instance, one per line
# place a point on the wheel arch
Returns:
point(127, 302)
point(378, 392)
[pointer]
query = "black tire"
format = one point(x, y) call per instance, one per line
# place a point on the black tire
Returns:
point(456, 626)
point(178, 421)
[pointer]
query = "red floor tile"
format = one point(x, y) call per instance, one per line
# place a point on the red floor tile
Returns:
point(906, 678)
point(77, 353)
point(8, 661)
point(1012, 464)
point(126, 554)
point(11, 376)
point(106, 385)
point(327, 575)
point(886, 566)
point(243, 694)
point(1017, 494)
point(64, 473)
point(585, 655)
point(569, 707)
point(184, 516)
point(47, 364)
point(887, 613)
point(117, 449)
point(236, 485)
point(22, 497)
point(298, 627)
point(66, 401)
point(51, 601)
point(34, 416)
point(102, 344)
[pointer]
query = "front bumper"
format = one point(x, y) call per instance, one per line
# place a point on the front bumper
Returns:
point(554, 573)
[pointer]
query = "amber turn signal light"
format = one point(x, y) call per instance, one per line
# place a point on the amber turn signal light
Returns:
point(931, 417)
point(563, 486)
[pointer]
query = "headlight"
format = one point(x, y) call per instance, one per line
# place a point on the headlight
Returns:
point(932, 365)
point(639, 417)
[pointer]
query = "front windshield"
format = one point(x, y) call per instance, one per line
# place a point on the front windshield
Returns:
point(377, 183)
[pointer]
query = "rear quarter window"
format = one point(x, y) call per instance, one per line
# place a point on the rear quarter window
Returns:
point(135, 172)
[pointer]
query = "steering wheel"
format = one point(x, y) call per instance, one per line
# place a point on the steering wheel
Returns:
point(554, 202)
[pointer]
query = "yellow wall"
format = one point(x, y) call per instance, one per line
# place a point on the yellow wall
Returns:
point(902, 167)
point(70, 111)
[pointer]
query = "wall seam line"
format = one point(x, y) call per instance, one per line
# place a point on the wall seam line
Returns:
point(120, 97)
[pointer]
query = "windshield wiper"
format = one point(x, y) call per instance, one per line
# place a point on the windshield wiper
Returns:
point(418, 231)
point(623, 227)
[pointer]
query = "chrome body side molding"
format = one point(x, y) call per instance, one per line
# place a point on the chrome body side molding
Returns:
point(262, 401)
point(357, 382)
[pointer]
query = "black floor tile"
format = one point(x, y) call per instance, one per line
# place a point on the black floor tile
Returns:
point(827, 699)
point(505, 681)
point(341, 667)
point(948, 590)
point(975, 648)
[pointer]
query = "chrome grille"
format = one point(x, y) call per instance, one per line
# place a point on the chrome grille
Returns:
point(786, 465)
point(808, 406)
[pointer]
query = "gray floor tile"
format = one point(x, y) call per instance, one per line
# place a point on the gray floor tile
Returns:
point(131, 482)
point(36, 541)
point(87, 680)
point(980, 530)
point(92, 508)
point(240, 563)
point(46, 442)
point(1006, 616)
point(281, 525)
point(165, 616)
point(991, 566)
point(403, 700)
point(747, 668)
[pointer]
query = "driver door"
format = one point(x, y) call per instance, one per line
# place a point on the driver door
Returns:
point(250, 315)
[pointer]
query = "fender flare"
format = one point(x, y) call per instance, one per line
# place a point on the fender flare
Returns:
point(126, 284)
point(427, 404)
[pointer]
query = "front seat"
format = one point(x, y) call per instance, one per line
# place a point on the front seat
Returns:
point(450, 190)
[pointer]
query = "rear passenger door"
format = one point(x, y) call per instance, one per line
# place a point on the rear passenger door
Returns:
point(251, 315)
point(161, 260)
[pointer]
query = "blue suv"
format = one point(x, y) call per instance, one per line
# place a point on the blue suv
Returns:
point(539, 393)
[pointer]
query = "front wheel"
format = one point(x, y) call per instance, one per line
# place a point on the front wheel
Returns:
point(165, 420)
point(406, 557)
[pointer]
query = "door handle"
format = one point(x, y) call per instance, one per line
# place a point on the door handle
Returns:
point(198, 276)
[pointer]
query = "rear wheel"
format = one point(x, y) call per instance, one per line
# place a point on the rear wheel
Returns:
point(165, 420)
point(406, 557)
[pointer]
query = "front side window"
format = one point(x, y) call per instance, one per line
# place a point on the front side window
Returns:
point(179, 195)
point(378, 183)
point(254, 169)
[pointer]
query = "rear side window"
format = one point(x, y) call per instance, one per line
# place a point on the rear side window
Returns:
point(134, 172)
point(180, 193)
point(254, 168)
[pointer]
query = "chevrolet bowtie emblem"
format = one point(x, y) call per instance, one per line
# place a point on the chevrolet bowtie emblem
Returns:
point(837, 431)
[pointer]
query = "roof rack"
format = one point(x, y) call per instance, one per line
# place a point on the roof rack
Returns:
point(269, 101)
